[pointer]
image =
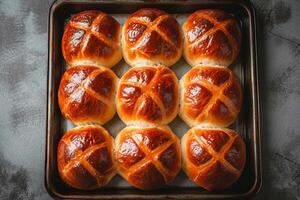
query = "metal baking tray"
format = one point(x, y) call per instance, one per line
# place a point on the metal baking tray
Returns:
point(247, 123)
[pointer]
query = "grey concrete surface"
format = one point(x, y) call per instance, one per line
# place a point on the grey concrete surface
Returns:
point(23, 74)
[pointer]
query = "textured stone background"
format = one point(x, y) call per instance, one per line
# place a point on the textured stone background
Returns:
point(23, 74)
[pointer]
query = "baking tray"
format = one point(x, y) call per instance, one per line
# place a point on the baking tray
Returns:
point(247, 123)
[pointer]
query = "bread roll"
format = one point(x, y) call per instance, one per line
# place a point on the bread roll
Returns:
point(92, 38)
point(147, 96)
point(86, 94)
point(151, 37)
point(213, 158)
point(85, 157)
point(148, 158)
point(210, 96)
point(211, 37)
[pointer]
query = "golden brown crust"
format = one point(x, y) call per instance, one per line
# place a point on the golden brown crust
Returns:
point(85, 157)
point(210, 96)
point(148, 95)
point(151, 37)
point(86, 94)
point(211, 37)
point(148, 158)
point(92, 37)
point(213, 158)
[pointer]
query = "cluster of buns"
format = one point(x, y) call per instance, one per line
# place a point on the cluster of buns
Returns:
point(210, 100)
point(147, 97)
point(86, 94)
point(147, 151)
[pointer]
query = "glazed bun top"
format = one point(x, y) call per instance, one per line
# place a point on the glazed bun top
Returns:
point(148, 158)
point(148, 96)
point(92, 37)
point(86, 94)
point(85, 157)
point(211, 37)
point(210, 97)
point(151, 37)
point(213, 158)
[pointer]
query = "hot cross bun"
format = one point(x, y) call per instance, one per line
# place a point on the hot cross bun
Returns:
point(148, 158)
point(92, 38)
point(151, 37)
point(211, 37)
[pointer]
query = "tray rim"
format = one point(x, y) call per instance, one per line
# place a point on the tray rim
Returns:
point(248, 6)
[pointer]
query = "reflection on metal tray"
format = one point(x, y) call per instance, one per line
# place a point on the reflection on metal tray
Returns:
point(247, 124)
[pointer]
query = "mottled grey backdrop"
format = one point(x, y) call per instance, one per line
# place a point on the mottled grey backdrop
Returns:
point(23, 74)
